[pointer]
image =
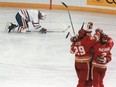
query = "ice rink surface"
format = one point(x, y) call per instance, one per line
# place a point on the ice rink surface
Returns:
point(44, 60)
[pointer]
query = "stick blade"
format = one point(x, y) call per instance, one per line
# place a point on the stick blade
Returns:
point(64, 4)
point(67, 35)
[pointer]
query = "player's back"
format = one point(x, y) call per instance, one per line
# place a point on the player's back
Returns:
point(33, 14)
point(83, 48)
point(84, 45)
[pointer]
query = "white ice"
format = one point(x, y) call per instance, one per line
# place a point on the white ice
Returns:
point(44, 60)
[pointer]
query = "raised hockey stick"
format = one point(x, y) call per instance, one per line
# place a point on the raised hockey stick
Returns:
point(70, 33)
point(82, 25)
point(67, 34)
point(69, 17)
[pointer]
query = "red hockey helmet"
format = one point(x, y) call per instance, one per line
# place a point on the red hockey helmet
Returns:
point(81, 33)
point(99, 30)
point(103, 38)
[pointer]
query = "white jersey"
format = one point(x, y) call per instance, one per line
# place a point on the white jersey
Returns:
point(30, 15)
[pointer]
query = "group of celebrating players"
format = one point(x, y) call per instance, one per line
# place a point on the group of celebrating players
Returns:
point(92, 54)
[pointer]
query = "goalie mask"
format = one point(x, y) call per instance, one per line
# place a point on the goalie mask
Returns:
point(41, 16)
point(89, 27)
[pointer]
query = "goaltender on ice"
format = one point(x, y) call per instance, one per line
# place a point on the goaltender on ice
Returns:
point(23, 17)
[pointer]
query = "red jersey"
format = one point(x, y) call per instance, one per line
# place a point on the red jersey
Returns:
point(83, 48)
point(100, 50)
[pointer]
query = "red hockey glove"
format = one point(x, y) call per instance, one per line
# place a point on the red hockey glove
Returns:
point(74, 38)
point(102, 60)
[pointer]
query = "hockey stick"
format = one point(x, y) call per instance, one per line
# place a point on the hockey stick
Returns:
point(54, 30)
point(70, 33)
point(67, 34)
point(59, 31)
point(69, 17)
point(82, 25)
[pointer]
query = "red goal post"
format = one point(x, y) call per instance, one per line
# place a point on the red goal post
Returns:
point(50, 4)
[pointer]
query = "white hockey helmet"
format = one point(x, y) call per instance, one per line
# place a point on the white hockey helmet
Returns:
point(42, 16)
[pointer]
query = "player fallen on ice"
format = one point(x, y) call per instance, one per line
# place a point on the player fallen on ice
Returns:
point(23, 17)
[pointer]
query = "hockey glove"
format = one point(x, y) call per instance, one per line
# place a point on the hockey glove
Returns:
point(43, 30)
point(74, 38)
point(102, 60)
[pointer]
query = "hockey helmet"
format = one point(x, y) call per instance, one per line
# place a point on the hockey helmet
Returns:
point(99, 30)
point(41, 16)
point(103, 38)
point(81, 33)
point(89, 27)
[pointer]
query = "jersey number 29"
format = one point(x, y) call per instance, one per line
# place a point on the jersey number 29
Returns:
point(79, 50)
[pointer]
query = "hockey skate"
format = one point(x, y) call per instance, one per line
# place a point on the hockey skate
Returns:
point(10, 26)
point(43, 30)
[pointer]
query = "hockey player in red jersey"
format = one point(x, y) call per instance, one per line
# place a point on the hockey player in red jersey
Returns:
point(23, 17)
point(82, 48)
point(101, 57)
